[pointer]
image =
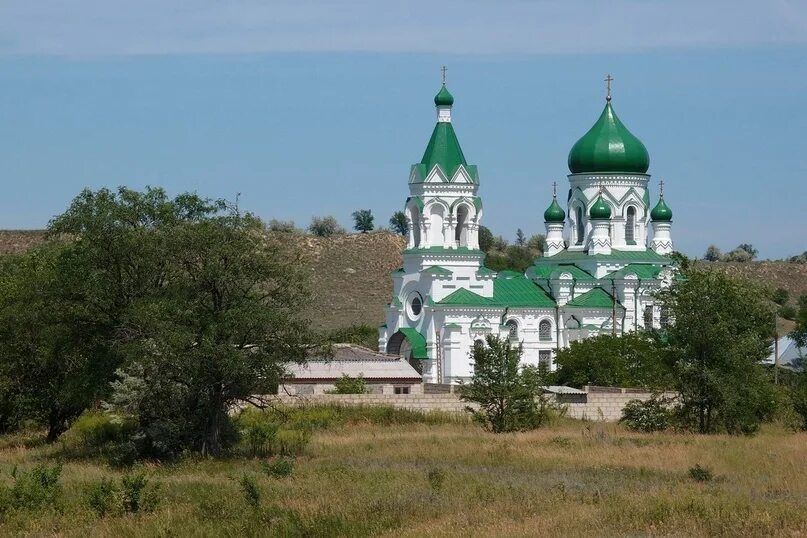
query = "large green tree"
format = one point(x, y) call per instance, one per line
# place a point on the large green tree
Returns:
point(721, 332)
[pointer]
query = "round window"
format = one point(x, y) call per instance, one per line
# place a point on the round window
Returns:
point(416, 305)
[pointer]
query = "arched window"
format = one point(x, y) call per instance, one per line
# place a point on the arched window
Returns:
point(460, 235)
point(581, 230)
point(512, 329)
point(648, 317)
point(436, 217)
point(415, 231)
point(630, 225)
point(545, 330)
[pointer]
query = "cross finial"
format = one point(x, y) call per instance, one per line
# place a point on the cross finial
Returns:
point(661, 188)
point(600, 188)
point(608, 81)
point(554, 189)
point(444, 69)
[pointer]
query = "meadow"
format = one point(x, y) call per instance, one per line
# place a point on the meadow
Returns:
point(400, 474)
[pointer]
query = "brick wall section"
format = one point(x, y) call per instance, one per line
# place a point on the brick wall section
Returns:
point(599, 403)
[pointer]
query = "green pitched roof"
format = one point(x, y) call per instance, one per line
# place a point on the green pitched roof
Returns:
point(416, 341)
point(595, 298)
point(485, 271)
point(437, 270)
point(609, 147)
point(642, 270)
point(646, 255)
point(508, 290)
point(545, 271)
point(443, 150)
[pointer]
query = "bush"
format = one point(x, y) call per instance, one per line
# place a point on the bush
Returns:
point(291, 442)
point(35, 489)
point(700, 474)
point(102, 496)
point(780, 296)
point(325, 226)
point(96, 430)
point(436, 479)
point(280, 468)
point(251, 491)
point(647, 416)
point(134, 495)
point(257, 431)
point(788, 312)
point(349, 385)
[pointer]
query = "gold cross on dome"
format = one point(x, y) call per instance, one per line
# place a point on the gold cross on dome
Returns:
point(444, 69)
point(661, 188)
point(608, 81)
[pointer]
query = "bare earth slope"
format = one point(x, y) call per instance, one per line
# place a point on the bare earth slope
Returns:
point(350, 274)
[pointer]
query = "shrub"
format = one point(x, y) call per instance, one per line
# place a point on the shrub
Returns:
point(102, 496)
point(788, 312)
point(780, 296)
point(436, 479)
point(249, 487)
point(652, 415)
point(325, 226)
point(291, 442)
point(96, 430)
point(257, 431)
point(700, 474)
point(133, 492)
point(280, 468)
point(37, 488)
point(349, 385)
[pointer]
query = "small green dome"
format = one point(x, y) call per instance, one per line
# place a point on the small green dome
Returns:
point(609, 147)
point(600, 210)
point(554, 213)
point(662, 212)
point(443, 97)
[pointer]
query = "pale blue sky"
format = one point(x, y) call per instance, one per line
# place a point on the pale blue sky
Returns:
point(314, 108)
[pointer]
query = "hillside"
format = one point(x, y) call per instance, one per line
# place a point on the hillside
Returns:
point(350, 274)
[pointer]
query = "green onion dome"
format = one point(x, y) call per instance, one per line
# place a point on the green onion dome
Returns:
point(554, 213)
point(662, 212)
point(609, 147)
point(443, 97)
point(600, 209)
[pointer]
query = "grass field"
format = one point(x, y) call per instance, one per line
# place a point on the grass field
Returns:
point(449, 478)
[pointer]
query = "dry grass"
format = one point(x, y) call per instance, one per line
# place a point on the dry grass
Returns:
point(452, 479)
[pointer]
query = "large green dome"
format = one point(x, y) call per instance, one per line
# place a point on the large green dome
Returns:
point(662, 212)
point(609, 147)
point(600, 209)
point(554, 213)
point(443, 97)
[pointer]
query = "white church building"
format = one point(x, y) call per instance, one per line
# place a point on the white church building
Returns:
point(606, 256)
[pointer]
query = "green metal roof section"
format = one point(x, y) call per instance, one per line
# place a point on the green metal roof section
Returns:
point(398, 271)
point(662, 212)
point(416, 341)
point(595, 298)
point(443, 150)
point(478, 203)
point(463, 297)
point(554, 213)
point(545, 271)
point(518, 291)
point(452, 326)
point(418, 202)
point(609, 147)
point(600, 210)
point(485, 271)
point(437, 270)
point(397, 302)
point(443, 250)
point(642, 270)
point(647, 256)
point(443, 97)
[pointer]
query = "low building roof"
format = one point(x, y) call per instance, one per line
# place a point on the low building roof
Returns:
point(789, 354)
point(353, 361)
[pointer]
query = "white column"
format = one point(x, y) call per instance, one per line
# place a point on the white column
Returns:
point(554, 238)
point(662, 240)
point(600, 240)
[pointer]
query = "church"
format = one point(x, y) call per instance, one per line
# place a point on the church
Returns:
point(606, 256)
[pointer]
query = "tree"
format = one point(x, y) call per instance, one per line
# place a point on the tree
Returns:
point(713, 254)
point(537, 244)
point(325, 226)
point(363, 220)
point(799, 332)
point(509, 395)
point(721, 331)
point(631, 360)
point(521, 239)
point(398, 224)
point(752, 252)
point(738, 255)
point(283, 226)
point(780, 296)
point(800, 258)
point(485, 239)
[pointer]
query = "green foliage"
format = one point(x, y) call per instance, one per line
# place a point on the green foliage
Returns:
point(363, 335)
point(652, 415)
point(102, 496)
point(799, 258)
point(713, 254)
point(280, 468)
point(700, 474)
point(258, 431)
point(437, 478)
point(780, 296)
point(363, 220)
point(250, 490)
point(509, 396)
point(788, 312)
point(282, 226)
point(398, 224)
point(521, 239)
point(325, 226)
point(634, 359)
point(95, 430)
point(350, 385)
point(485, 239)
point(537, 244)
point(37, 488)
point(721, 332)
point(799, 333)
point(134, 495)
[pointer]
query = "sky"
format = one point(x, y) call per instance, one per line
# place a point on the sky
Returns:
point(320, 107)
